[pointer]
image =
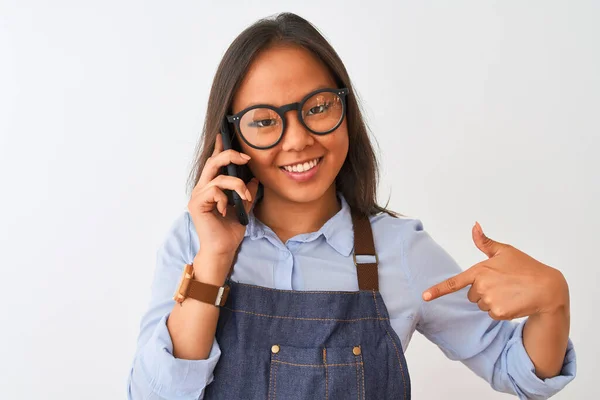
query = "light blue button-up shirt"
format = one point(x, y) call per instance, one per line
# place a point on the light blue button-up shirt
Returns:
point(409, 262)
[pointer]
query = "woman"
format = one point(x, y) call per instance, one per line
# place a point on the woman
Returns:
point(327, 286)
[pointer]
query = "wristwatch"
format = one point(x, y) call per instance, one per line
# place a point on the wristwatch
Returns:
point(204, 292)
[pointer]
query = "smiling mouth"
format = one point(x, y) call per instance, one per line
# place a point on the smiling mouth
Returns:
point(302, 167)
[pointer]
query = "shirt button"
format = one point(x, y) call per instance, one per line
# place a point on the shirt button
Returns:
point(274, 349)
point(356, 351)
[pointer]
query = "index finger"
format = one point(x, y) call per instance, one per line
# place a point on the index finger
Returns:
point(213, 165)
point(218, 145)
point(450, 285)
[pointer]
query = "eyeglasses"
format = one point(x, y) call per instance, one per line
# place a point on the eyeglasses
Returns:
point(262, 126)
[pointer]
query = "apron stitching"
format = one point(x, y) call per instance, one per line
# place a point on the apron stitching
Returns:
point(294, 292)
point(395, 347)
point(399, 362)
point(326, 374)
point(376, 306)
point(363, 375)
point(270, 377)
point(357, 381)
point(275, 382)
point(314, 365)
point(307, 319)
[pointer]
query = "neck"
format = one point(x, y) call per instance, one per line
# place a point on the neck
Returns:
point(288, 219)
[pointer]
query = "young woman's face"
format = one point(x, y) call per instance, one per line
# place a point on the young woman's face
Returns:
point(280, 76)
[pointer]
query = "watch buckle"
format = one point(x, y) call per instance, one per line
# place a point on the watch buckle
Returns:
point(219, 296)
point(184, 283)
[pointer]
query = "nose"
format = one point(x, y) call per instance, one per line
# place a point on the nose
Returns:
point(296, 137)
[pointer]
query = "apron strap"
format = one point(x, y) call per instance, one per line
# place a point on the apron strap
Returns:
point(368, 278)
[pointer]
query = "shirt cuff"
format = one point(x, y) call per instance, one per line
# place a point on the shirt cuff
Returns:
point(171, 377)
point(522, 371)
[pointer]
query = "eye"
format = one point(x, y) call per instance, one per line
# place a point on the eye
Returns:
point(262, 123)
point(318, 109)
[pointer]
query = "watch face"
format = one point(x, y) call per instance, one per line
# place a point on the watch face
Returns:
point(181, 292)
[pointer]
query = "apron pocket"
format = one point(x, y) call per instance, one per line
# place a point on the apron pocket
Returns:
point(316, 373)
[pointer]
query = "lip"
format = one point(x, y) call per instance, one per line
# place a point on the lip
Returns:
point(303, 176)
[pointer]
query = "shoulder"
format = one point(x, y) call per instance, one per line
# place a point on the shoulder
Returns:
point(404, 237)
point(393, 230)
point(405, 240)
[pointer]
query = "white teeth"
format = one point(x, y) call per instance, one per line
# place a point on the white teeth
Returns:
point(302, 167)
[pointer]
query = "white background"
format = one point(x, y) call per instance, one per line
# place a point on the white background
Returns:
point(483, 111)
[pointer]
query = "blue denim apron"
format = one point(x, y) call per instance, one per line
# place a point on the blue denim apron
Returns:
point(287, 344)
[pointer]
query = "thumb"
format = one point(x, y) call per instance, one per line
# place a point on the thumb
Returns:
point(487, 246)
point(252, 186)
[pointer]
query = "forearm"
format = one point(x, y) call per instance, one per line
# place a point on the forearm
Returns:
point(192, 325)
point(545, 337)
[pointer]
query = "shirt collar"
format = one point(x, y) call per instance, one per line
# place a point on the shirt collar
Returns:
point(337, 230)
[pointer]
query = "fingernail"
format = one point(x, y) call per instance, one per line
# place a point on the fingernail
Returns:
point(427, 296)
point(245, 156)
point(248, 195)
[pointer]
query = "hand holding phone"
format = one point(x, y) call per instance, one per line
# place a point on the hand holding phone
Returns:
point(231, 170)
point(212, 204)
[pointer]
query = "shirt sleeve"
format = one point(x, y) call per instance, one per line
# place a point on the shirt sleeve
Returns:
point(492, 349)
point(155, 372)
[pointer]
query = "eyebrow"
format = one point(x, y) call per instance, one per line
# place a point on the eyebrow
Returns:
point(321, 86)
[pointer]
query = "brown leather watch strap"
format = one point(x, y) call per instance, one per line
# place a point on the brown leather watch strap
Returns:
point(207, 293)
point(204, 292)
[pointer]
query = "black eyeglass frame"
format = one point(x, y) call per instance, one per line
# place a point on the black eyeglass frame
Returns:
point(281, 111)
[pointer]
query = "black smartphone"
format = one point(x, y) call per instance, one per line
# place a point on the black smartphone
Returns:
point(233, 197)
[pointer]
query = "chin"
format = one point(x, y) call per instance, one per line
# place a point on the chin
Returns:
point(307, 193)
